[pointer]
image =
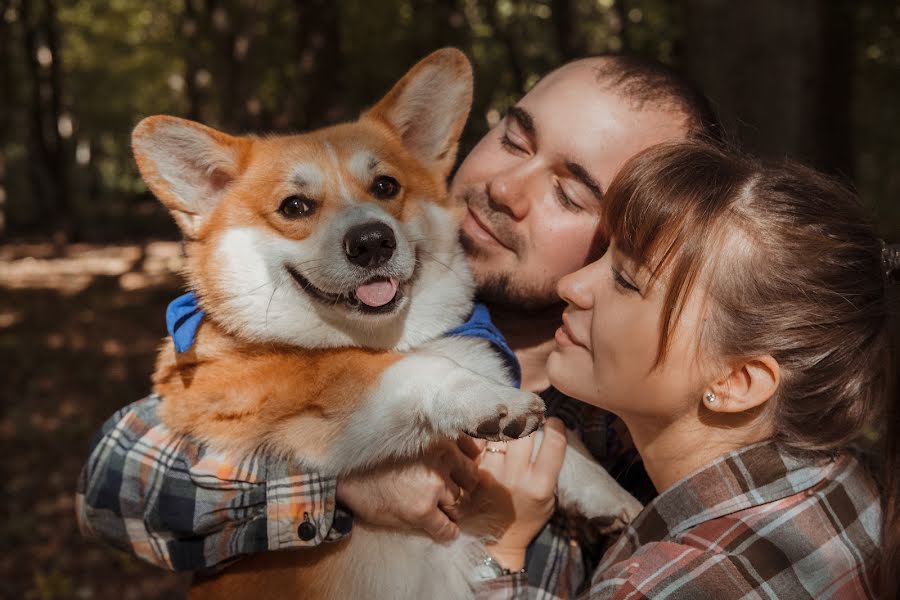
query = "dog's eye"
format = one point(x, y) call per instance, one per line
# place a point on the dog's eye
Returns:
point(295, 207)
point(384, 187)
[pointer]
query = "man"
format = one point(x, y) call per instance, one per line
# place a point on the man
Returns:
point(534, 190)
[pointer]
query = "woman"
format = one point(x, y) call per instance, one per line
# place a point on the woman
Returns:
point(738, 327)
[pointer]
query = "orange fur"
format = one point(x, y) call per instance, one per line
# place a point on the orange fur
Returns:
point(238, 394)
point(235, 394)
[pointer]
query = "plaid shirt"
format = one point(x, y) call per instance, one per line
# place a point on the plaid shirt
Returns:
point(755, 523)
point(172, 502)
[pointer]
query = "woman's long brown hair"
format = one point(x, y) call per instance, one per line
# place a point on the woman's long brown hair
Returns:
point(794, 270)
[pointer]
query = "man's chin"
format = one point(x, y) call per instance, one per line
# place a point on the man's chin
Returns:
point(501, 290)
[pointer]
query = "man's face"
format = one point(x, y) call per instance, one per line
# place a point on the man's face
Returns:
point(534, 184)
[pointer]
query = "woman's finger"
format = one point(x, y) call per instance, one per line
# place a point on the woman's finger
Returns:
point(518, 458)
point(493, 459)
point(550, 456)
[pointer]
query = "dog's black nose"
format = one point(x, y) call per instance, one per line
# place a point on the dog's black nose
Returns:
point(370, 244)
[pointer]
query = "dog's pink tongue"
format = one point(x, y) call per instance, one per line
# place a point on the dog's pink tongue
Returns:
point(377, 293)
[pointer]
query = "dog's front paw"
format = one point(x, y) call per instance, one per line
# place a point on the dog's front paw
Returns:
point(516, 415)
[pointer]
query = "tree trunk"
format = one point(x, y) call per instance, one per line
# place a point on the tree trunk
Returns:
point(235, 45)
point(318, 26)
point(505, 37)
point(6, 108)
point(620, 10)
point(568, 42)
point(190, 25)
point(60, 154)
point(778, 74)
point(38, 147)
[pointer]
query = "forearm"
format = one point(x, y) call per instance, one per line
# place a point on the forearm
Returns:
point(171, 502)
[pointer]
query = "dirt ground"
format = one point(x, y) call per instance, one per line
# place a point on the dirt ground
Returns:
point(79, 328)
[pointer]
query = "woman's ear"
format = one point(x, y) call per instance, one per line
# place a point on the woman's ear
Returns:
point(748, 384)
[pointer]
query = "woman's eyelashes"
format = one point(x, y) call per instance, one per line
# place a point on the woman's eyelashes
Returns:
point(622, 282)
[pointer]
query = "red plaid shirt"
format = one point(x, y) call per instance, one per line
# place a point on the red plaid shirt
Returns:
point(755, 523)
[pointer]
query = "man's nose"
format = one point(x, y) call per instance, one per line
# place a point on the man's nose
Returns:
point(511, 192)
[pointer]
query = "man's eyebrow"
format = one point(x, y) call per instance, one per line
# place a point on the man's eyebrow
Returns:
point(523, 118)
point(581, 174)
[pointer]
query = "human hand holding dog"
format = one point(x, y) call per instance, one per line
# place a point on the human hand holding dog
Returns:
point(529, 487)
point(417, 495)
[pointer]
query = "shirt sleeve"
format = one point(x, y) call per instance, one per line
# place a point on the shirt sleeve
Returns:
point(173, 502)
point(508, 587)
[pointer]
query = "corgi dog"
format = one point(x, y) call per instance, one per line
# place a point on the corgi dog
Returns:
point(328, 267)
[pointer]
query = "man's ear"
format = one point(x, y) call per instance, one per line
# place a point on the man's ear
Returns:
point(748, 384)
point(187, 166)
point(428, 107)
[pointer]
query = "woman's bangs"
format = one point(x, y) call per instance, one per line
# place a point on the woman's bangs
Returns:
point(665, 210)
point(651, 207)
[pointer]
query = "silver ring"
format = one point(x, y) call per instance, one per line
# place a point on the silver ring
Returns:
point(494, 450)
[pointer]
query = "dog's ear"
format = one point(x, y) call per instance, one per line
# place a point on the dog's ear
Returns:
point(187, 166)
point(428, 107)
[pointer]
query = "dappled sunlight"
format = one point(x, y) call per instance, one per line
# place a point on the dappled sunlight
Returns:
point(79, 329)
point(71, 271)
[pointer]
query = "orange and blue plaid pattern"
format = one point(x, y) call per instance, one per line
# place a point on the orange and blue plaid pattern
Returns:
point(173, 502)
point(755, 523)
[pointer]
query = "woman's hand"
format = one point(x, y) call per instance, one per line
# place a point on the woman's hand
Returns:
point(530, 488)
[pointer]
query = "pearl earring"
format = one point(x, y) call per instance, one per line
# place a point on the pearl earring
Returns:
point(710, 398)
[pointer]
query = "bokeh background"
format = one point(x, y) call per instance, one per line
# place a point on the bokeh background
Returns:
point(88, 259)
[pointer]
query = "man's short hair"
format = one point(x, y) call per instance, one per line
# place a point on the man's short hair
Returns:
point(646, 81)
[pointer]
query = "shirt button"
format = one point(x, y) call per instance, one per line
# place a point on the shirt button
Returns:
point(307, 530)
point(342, 524)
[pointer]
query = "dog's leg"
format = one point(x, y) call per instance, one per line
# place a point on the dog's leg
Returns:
point(423, 397)
point(586, 488)
point(475, 354)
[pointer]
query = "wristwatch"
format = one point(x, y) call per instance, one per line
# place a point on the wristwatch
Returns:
point(488, 568)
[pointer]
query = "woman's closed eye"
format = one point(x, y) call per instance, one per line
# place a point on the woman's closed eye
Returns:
point(622, 282)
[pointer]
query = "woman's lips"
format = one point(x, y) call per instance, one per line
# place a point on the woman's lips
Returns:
point(479, 231)
point(565, 337)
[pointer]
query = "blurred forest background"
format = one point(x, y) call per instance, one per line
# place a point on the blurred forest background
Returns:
point(88, 258)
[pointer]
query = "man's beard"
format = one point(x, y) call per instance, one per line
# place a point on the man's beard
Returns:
point(499, 290)
point(503, 289)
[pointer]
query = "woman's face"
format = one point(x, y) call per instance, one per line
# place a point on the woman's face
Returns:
point(607, 345)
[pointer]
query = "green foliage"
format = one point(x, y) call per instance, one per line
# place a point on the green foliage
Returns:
point(288, 65)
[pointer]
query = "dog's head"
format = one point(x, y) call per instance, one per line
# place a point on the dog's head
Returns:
point(342, 236)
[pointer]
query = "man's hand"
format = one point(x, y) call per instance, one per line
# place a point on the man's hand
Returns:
point(416, 495)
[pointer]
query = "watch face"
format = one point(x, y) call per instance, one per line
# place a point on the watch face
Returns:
point(489, 568)
point(484, 572)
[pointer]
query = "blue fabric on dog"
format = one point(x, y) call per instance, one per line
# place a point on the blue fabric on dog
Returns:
point(480, 325)
point(183, 317)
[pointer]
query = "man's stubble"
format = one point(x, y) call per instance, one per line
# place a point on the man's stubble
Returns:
point(504, 289)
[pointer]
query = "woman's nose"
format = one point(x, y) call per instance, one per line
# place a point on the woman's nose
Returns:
point(576, 288)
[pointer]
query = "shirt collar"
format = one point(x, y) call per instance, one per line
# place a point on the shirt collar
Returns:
point(747, 477)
